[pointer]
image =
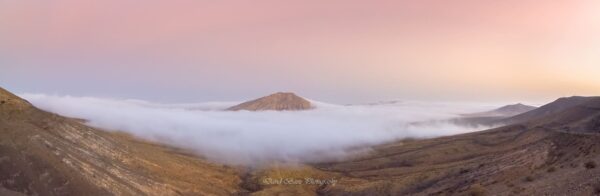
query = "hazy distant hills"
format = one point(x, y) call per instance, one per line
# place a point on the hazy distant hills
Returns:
point(492, 118)
point(278, 101)
point(505, 111)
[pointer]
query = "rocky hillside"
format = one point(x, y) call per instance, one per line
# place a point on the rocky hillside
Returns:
point(46, 154)
point(278, 101)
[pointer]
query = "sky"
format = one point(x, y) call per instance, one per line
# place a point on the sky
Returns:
point(335, 51)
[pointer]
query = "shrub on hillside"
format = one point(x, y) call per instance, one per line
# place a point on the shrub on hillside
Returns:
point(529, 179)
point(590, 165)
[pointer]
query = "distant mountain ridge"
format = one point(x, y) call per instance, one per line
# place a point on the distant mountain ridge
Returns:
point(493, 117)
point(554, 107)
point(572, 114)
point(506, 111)
point(279, 101)
point(575, 114)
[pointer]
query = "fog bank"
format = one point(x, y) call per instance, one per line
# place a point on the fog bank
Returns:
point(326, 132)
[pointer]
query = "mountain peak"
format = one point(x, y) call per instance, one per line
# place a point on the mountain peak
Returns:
point(277, 101)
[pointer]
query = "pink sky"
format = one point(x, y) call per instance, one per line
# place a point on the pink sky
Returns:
point(337, 51)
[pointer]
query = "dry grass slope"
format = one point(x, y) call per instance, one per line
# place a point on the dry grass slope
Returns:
point(46, 154)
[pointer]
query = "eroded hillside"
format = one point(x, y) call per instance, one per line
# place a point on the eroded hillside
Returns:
point(46, 154)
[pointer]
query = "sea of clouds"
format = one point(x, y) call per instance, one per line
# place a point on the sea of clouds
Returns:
point(327, 132)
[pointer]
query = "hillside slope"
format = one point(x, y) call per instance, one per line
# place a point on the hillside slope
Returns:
point(46, 154)
point(506, 161)
point(537, 157)
point(554, 107)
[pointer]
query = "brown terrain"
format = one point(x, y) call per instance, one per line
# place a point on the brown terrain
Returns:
point(552, 154)
point(46, 154)
point(278, 101)
point(551, 150)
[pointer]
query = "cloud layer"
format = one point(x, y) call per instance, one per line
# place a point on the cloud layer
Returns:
point(325, 133)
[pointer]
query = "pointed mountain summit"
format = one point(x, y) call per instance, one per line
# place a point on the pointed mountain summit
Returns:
point(279, 101)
